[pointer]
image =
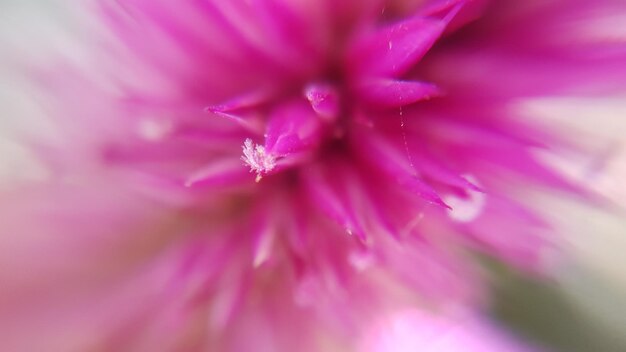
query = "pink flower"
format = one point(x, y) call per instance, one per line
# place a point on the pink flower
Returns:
point(270, 174)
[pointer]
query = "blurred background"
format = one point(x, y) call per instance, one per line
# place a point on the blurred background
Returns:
point(582, 308)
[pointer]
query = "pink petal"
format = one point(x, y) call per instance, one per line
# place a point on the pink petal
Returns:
point(395, 93)
point(394, 49)
point(397, 165)
point(324, 99)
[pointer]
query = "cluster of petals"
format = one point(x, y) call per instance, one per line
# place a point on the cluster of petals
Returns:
point(271, 174)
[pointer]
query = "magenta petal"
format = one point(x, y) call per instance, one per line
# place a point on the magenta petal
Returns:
point(292, 128)
point(218, 173)
point(263, 238)
point(437, 7)
point(251, 124)
point(324, 99)
point(244, 101)
point(394, 49)
point(395, 93)
point(437, 171)
point(422, 189)
point(398, 166)
point(334, 204)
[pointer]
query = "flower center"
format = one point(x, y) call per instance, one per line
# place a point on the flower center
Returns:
point(296, 127)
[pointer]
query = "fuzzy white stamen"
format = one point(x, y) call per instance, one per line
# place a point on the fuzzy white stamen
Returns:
point(257, 158)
